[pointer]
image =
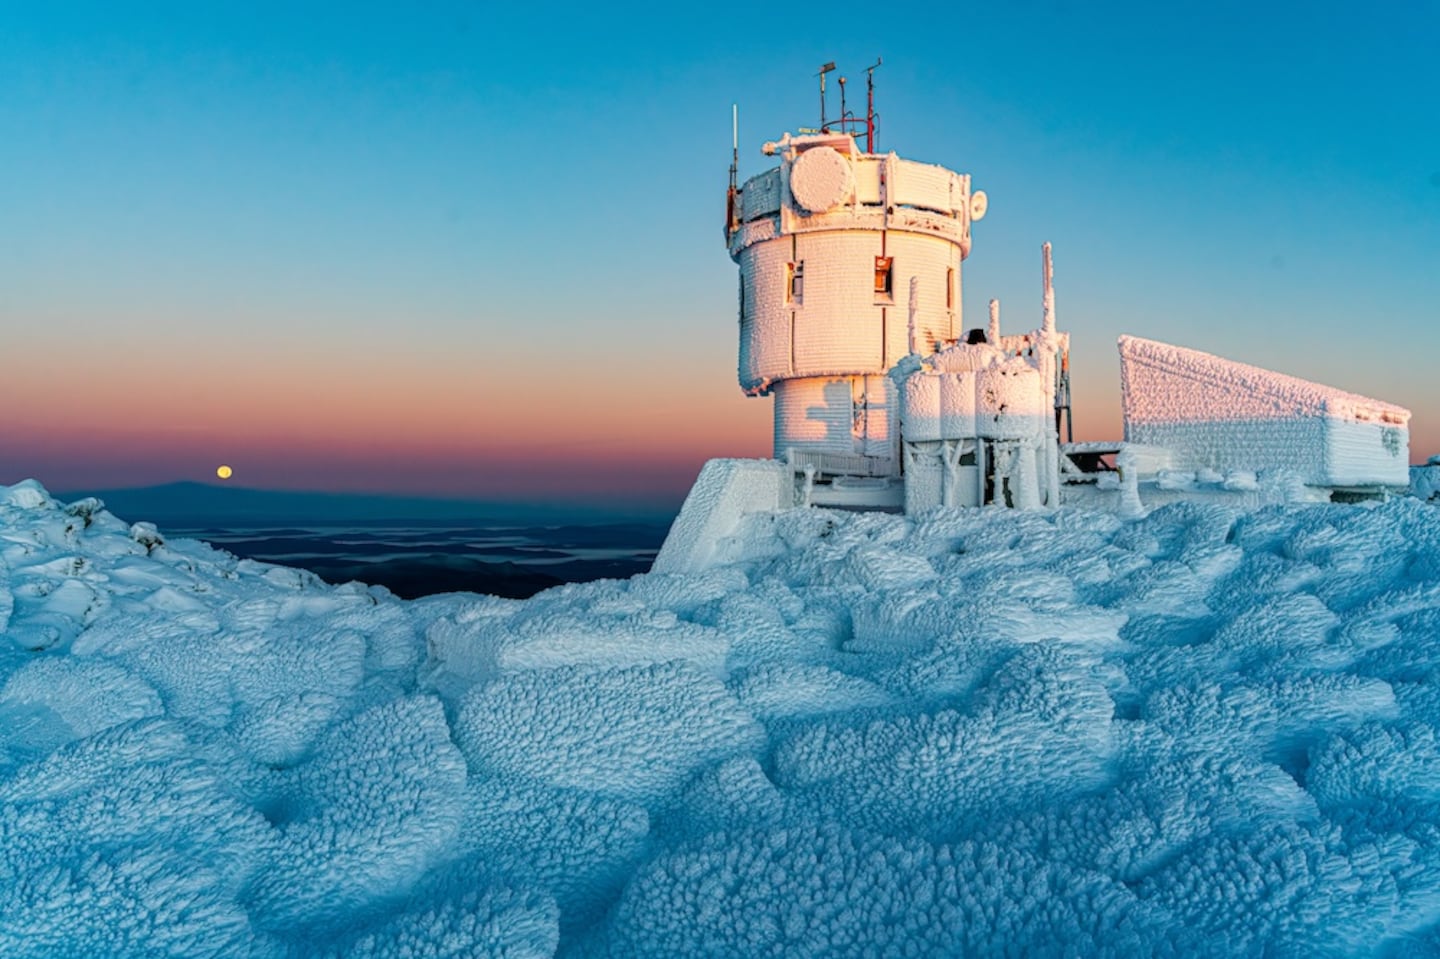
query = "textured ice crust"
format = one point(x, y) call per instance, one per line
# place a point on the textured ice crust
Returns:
point(1200, 732)
point(1219, 416)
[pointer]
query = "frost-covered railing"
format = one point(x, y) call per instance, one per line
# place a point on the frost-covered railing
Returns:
point(908, 185)
point(884, 192)
point(841, 464)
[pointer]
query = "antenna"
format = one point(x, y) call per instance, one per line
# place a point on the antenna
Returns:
point(1063, 412)
point(1048, 278)
point(734, 139)
point(734, 169)
point(824, 69)
point(844, 114)
point(870, 106)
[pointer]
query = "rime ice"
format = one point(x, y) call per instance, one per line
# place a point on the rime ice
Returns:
point(1208, 730)
point(1220, 415)
point(1199, 720)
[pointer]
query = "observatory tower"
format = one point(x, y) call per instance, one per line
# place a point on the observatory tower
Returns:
point(850, 317)
point(849, 262)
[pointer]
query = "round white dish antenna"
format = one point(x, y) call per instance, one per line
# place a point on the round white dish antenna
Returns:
point(979, 203)
point(821, 179)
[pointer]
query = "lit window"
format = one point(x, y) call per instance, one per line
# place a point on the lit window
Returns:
point(884, 276)
point(795, 282)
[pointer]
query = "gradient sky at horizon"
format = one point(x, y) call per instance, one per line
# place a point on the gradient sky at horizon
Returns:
point(476, 250)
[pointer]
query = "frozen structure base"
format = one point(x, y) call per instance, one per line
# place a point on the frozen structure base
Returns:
point(726, 491)
point(977, 429)
point(1425, 481)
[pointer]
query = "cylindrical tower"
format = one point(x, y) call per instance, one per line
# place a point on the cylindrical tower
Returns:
point(849, 261)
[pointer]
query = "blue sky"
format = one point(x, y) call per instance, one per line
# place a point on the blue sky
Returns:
point(303, 236)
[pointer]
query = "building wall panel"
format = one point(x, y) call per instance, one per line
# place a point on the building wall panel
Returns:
point(765, 326)
point(814, 414)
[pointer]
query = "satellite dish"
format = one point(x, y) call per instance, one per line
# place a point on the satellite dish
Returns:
point(821, 179)
point(979, 203)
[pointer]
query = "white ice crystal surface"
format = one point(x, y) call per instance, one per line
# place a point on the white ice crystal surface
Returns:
point(1203, 731)
point(1221, 420)
point(634, 733)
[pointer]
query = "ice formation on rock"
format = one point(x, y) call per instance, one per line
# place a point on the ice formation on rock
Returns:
point(1207, 730)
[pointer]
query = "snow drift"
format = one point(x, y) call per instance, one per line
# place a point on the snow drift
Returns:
point(977, 732)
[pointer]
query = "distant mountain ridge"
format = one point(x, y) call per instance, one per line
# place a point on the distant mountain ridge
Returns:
point(204, 504)
point(420, 558)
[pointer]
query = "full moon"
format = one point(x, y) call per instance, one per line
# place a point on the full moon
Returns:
point(224, 472)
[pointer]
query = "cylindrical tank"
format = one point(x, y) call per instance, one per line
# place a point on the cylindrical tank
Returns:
point(957, 405)
point(1009, 402)
point(921, 408)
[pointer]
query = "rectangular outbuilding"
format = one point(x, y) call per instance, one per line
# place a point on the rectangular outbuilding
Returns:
point(1215, 414)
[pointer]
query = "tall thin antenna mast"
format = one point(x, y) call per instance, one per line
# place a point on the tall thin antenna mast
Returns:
point(824, 69)
point(734, 169)
point(870, 106)
point(1047, 278)
point(1063, 412)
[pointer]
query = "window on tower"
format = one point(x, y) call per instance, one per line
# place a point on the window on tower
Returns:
point(950, 288)
point(795, 282)
point(884, 279)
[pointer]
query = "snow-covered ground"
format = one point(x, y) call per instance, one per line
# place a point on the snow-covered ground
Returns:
point(1201, 732)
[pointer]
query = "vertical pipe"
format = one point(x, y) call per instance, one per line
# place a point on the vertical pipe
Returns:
point(914, 309)
point(1049, 302)
point(870, 110)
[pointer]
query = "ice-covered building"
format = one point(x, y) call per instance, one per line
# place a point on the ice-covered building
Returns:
point(980, 419)
point(1215, 414)
point(849, 262)
point(850, 316)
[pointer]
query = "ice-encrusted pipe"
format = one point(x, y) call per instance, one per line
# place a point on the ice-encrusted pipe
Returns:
point(994, 334)
point(1130, 505)
point(1049, 304)
point(914, 308)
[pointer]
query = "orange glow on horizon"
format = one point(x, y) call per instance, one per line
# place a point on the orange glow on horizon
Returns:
point(350, 416)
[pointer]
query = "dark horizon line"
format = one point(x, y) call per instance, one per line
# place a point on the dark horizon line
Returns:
point(196, 502)
point(226, 487)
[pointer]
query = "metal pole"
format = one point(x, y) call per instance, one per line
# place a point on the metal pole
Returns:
point(870, 106)
point(824, 69)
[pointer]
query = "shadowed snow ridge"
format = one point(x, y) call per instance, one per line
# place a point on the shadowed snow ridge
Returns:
point(1200, 732)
